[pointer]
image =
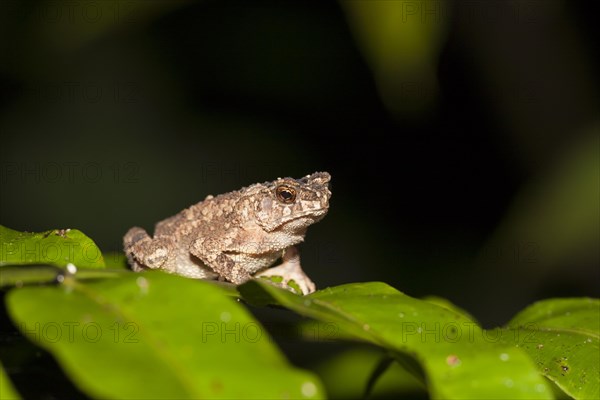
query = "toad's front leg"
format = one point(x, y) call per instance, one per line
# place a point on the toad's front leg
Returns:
point(289, 270)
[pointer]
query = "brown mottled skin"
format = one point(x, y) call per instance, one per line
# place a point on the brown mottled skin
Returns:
point(237, 235)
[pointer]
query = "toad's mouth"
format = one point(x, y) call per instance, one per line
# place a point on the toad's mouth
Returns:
point(299, 224)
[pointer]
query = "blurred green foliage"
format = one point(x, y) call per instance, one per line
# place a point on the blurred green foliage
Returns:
point(402, 42)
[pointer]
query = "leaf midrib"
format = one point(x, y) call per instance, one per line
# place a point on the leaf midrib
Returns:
point(551, 329)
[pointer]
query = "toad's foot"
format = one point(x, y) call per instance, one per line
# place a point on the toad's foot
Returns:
point(290, 270)
point(145, 252)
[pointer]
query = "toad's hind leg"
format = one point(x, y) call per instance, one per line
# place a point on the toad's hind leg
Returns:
point(145, 252)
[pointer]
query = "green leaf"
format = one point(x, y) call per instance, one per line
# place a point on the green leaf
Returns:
point(562, 336)
point(346, 374)
point(440, 301)
point(57, 247)
point(7, 391)
point(460, 360)
point(116, 260)
point(155, 335)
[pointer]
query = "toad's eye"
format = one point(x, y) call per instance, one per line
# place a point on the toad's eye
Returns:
point(286, 194)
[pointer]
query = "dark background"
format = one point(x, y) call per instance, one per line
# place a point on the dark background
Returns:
point(462, 137)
